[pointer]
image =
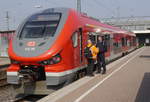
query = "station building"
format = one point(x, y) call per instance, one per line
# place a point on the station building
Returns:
point(5, 37)
point(143, 37)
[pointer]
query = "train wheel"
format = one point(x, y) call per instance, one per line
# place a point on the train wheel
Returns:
point(76, 76)
point(80, 75)
point(83, 73)
point(123, 54)
point(70, 79)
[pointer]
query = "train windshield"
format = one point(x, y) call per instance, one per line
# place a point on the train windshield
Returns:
point(41, 26)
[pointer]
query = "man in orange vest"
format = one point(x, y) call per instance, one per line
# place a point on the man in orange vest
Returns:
point(91, 54)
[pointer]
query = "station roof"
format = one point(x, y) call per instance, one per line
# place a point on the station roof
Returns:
point(141, 31)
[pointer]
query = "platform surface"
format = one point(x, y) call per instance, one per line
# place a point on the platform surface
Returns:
point(127, 80)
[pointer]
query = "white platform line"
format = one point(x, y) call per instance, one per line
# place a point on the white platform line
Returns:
point(94, 87)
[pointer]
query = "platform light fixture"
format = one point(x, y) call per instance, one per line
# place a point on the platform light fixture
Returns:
point(98, 30)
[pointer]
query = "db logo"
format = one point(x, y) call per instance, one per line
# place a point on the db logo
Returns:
point(31, 43)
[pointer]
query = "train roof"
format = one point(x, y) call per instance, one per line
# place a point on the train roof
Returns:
point(97, 24)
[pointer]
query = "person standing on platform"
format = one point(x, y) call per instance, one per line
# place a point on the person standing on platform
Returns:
point(101, 45)
point(90, 53)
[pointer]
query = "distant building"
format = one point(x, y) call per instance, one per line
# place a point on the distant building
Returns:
point(5, 37)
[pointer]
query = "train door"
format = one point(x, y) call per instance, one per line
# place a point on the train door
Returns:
point(77, 39)
point(124, 44)
point(76, 48)
point(111, 46)
point(80, 45)
point(117, 44)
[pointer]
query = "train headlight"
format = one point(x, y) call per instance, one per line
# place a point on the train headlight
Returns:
point(54, 60)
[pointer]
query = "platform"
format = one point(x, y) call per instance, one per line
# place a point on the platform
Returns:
point(127, 80)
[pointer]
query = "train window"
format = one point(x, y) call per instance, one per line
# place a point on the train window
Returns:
point(107, 40)
point(45, 17)
point(124, 41)
point(75, 39)
point(40, 25)
point(117, 44)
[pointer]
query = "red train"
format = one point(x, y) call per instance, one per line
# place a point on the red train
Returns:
point(48, 48)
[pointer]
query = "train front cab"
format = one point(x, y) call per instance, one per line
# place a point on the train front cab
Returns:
point(53, 75)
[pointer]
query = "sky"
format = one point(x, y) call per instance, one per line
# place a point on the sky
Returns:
point(18, 10)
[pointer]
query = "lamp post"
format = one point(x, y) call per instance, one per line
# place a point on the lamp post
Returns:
point(79, 5)
point(7, 20)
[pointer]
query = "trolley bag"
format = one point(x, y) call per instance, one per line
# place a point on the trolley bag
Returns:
point(88, 53)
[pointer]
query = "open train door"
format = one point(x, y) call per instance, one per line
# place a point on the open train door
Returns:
point(80, 37)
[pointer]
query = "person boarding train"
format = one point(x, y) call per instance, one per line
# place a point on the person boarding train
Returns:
point(90, 53)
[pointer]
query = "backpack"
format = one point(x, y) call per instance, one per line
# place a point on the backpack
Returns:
point(88, 53)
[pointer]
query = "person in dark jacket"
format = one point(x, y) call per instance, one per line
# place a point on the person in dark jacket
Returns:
point(101, 45)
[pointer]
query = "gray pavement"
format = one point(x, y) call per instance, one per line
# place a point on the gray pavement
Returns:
point(125, 81)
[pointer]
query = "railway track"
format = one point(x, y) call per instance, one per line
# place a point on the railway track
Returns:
point(3, 82)
point(3, 77)
point(6, 91)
